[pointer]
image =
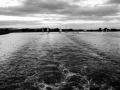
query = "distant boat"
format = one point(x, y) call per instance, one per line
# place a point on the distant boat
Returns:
point(60, 30)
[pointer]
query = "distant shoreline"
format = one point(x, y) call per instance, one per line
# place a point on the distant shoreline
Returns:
point(4, 31)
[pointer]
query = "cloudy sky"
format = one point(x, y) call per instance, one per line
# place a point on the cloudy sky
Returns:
point(60, 13)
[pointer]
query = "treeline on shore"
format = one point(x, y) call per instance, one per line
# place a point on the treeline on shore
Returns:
point(11, 30)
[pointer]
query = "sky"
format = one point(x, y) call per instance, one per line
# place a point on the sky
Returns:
point(76, 14)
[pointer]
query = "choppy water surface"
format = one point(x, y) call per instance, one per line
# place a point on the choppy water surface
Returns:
point(105, 41)
point(60, 61)
point(10, 43)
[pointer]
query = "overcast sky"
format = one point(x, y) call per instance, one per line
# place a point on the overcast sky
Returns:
point(59, 13)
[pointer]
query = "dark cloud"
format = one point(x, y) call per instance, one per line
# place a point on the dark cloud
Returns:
point(70, 10)
point(41, 6)
point(113, 1)
point(100, 10)
point(58, 7)
point(36, 6)
point(96, 11)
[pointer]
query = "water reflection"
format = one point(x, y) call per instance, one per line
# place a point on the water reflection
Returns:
point(105, 41)
point(9, 43)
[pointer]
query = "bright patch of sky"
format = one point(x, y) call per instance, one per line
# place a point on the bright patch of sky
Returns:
point(19, 18)
point(10, 3)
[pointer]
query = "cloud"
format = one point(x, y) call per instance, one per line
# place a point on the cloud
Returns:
point(11, 3)
point(7, 23)
point(113, 1)
point(32, 7)
point(96, 11)
point(59, 11)
point(59, 7)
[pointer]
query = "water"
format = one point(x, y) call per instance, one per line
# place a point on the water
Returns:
point(105, 41)
point(10, 43)
point(60, 60)
point(108, 42)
